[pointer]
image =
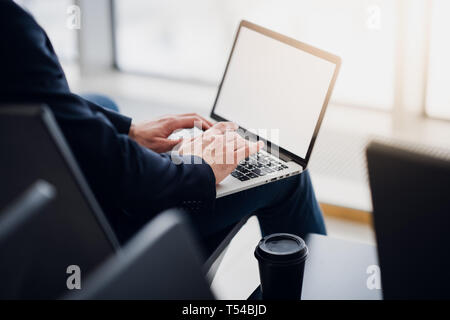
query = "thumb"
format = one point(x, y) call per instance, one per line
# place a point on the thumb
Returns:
point(169, 144)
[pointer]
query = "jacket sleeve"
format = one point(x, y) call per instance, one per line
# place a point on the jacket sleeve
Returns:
point(121, 123)
point(121, 173)
point(132, 177)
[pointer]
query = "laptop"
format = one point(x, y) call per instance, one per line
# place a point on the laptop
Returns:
point(411, 211)
point(276, 89)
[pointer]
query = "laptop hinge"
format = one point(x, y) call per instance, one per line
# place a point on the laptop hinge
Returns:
point(285, 157)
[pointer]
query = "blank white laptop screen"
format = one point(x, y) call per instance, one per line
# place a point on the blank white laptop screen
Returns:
point(271, 85)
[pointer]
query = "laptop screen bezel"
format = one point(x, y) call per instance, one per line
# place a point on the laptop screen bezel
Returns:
point(301, 46)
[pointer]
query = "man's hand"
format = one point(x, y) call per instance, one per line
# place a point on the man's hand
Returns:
point(153, 134)
point(221, 147)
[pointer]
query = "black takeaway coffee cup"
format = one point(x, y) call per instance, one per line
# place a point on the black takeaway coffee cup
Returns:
point(281, 258)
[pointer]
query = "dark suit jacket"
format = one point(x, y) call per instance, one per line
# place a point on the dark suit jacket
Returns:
point(131, 183)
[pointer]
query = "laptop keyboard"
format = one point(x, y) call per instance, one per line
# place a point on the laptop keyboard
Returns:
point(257, 165)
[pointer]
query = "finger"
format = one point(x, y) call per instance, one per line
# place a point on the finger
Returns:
point(204, 124)
point(231, 135)
point(188, 122)
point(229, 152)
point(207, 124)
point(210, 137)
point(234, 141)
point(211, 132)
point(190, 139)
point(226, 126)
point(248, 149)
point(229, 138)
point(210, 124)
point(240, 142)
point(168, 144)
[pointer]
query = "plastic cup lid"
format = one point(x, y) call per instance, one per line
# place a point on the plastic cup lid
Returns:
point(281, 247)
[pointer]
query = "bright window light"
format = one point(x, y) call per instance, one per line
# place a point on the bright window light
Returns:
point(191, 40)
point(438, 93)
point(52, 15)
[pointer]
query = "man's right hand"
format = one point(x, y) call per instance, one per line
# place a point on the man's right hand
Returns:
point(221, 147)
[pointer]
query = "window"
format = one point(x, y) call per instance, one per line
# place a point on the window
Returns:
point(191, 40)
point(52, 15)
point(438, 93)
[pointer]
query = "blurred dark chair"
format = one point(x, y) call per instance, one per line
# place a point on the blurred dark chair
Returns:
point(32, 201)
point(41, 239)
point(161, 262)
point(47, 157)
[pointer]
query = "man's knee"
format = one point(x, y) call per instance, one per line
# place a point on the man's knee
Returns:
point(300, 183)
point(102, 100)
point(305, 178)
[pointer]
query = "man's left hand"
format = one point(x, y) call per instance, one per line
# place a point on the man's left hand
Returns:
point(154, 134)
